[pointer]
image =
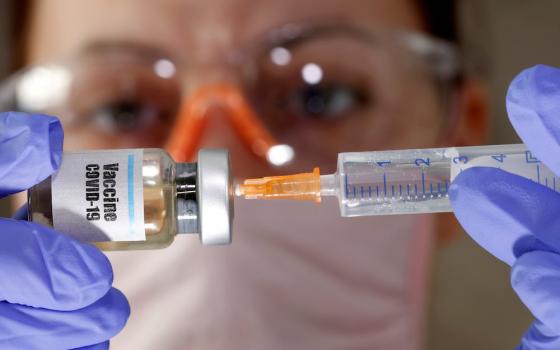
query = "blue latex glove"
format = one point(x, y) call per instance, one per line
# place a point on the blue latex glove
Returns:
point(516, 219)
point(55, 292)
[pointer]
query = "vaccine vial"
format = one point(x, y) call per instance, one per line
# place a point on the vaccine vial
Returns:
point(136, 198)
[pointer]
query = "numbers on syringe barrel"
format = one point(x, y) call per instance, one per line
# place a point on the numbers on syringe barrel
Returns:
point(384, 181)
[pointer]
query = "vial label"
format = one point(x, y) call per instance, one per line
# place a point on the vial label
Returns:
point(98, 196)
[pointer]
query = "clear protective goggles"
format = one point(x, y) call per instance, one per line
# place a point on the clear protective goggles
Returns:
point(303, 94)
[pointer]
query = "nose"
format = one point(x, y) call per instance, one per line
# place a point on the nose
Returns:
point(196, 110)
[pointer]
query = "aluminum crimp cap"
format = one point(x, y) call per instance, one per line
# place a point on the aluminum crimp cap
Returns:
point(215, 196)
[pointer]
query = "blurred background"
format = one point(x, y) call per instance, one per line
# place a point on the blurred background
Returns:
point(471, 298)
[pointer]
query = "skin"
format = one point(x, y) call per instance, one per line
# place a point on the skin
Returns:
point(187, 32)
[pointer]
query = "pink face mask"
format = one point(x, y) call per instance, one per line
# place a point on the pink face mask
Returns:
point(297, 276)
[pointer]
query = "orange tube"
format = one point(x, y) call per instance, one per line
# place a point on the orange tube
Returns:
point(193, 114)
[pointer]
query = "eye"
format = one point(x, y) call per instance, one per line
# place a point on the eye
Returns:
point(122, 94)
point(127, 116)
point(326, 101)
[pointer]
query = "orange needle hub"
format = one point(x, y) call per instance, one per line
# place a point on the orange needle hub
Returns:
point(304, 186)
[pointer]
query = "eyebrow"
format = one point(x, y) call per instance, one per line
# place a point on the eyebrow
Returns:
point(134, 47)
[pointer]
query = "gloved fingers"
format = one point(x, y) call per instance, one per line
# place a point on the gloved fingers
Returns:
point(23, 327)
point(535, 277)
point(539, 337)
point(100, 346)
point(43, 268)
point(533, 105)
point(30, 150)
point(500, 210)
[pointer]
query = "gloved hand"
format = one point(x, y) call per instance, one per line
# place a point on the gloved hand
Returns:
point(55, 292)
point(516, 219)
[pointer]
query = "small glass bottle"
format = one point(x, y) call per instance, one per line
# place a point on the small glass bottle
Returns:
point(136, 198)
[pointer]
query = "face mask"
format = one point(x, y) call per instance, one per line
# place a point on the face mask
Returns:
point(296, 276)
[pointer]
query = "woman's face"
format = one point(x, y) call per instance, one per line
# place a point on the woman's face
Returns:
point(135, 62)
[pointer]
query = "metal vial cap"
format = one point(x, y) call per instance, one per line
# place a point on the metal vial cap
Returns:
point(214, 196)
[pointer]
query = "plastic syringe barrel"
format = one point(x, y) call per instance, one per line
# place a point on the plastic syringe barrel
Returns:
point(418, 180)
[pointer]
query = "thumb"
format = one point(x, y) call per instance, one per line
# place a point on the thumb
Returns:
point(30, 150)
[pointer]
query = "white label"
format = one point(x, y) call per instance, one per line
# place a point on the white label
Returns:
point(98, 196)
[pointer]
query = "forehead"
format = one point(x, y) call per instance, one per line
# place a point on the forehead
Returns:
point(61, 27)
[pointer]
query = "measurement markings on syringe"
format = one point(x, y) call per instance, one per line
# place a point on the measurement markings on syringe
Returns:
point(426, 178)
point(524, 164)
point(393, 181)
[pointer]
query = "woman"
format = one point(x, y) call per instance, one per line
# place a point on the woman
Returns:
point(296, 276)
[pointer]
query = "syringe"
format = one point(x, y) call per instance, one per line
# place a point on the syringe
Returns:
point(400, 181)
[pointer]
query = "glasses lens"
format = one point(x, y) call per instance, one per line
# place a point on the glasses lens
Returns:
point(117, 98)
point(317, 94)
point(338, 92)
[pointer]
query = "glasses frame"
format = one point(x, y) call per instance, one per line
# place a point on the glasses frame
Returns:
point(443, 58)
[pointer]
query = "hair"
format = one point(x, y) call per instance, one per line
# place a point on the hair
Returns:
point(16, 30)
point(440, 18)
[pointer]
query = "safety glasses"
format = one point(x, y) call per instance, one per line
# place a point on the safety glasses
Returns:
point(302, 94)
